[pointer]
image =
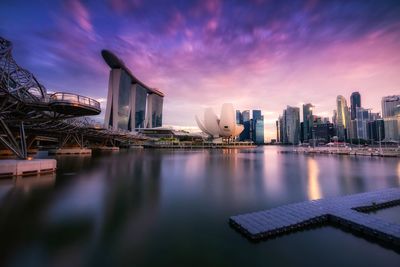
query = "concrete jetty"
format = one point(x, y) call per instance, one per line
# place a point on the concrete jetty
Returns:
point(12, 167)
point(347, 211)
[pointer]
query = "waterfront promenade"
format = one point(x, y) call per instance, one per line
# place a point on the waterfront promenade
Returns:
point(353, 151)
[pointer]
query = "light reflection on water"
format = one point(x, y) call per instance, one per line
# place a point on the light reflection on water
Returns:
point(164, 207)
point(314, 190)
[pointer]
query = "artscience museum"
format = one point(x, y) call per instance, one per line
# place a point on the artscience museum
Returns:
point(225, 126)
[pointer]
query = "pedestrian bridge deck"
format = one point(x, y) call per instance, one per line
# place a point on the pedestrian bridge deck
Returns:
point(346, 210)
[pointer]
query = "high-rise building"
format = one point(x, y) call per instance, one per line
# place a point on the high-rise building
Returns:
point(282, 130)
point(376, 130)
point(278, 136)
point(257, 114)
point(130, 103)
point(307, 121)
point(323, 132)
point(292, 125)
point(343, 117)
point(334, 117)
point(355, 102)
point(361, 123)
point(390, 105)
point(258, 131)
point(246, 134)
point(239, 117)
point(257, 127)
point(392, 128)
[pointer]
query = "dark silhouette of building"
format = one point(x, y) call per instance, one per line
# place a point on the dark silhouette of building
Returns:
point(355, 102)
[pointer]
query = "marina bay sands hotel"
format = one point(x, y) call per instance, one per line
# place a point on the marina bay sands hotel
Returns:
point(130, 103)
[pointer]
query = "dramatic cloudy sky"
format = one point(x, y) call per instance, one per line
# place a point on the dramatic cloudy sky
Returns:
point(257, 54)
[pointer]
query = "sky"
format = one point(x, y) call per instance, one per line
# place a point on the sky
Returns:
point(256, 54)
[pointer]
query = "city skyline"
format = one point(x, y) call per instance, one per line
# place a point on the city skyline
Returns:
point(257, 55)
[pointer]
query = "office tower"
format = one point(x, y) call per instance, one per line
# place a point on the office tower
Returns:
point(323, 132)
point(390, 104)
point(292, 125)
point(277, 125)
point(257, 114)
point(307, 121)
point(239, 117)
point(302, 132)
point(392, 128)
point(343, 117)
point(334, 117)
point(281, 129)
point(376, 130)
point(258, 131)
point(355, 102)
point(246, 134)
point(361, 123)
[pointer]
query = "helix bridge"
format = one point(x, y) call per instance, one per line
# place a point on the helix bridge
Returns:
point(28, 112)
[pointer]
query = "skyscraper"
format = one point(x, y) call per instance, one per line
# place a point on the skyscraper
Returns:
point(246, 135)
point(257, 114)
point(291, 125)
point(282, 129)
point(307, 121)
point(239, 117)
point(277, 125)
point(390, 104)
point(257, 127)
point(130, 103)
point(258, 131)
point(343, 117)
point(355, 102)
point(361, 123)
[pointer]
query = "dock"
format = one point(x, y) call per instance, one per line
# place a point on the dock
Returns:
point(346, 211)
point(13, 167)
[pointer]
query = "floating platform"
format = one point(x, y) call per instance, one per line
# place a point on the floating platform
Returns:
point(347, 211)
point(70, 151)
point(12, 167)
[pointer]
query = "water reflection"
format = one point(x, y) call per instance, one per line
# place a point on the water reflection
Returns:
point(314, 189)
point(398, 171)
point(26, 184)
point(151, 207)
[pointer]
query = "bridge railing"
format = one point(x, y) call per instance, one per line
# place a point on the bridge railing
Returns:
point(74, 99)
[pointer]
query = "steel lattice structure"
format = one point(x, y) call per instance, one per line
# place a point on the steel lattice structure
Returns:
point(25, 105)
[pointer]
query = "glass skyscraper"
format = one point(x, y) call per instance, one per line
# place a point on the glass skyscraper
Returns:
point(390, 105)
point(355, 102)
point(290, 126)
point(343, 117)
point(258, 127)
point(307, 121)
point(246, 134)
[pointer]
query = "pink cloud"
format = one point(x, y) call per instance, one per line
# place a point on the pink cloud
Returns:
point(80, 14)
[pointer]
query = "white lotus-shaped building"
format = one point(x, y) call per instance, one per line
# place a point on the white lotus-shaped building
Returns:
point(225, 126)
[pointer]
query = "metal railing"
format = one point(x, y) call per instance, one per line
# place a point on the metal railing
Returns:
point(74, 99)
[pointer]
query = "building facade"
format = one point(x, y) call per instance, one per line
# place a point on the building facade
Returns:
point(130, 103)
point(390, 105)
point(392, 128)
point(355, 102)
point(246, 134)
point(361, 123)
point(308, 120)
point(343, 117)
point(376, 130)
point(291, 125)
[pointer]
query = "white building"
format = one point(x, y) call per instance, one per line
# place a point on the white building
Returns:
point(224, 126)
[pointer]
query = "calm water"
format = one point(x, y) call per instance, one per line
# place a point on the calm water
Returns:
point(171, 208)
